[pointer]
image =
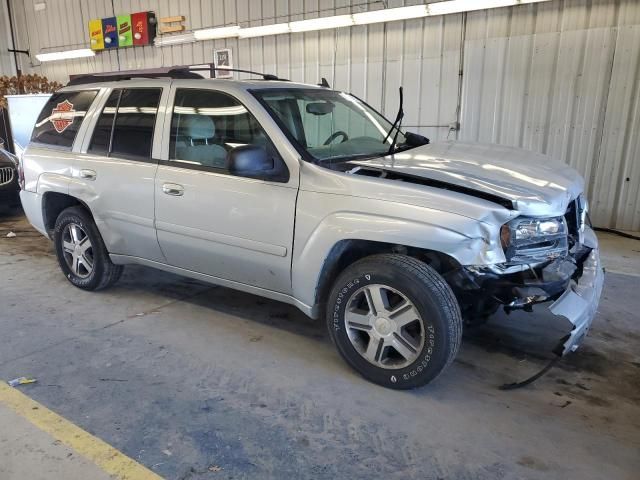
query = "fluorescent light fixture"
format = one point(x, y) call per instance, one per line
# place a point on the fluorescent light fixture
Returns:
point(458, 6)
point(321, 23)
point(341, 21)
point(265, 30)
point(66, 55)
point(390, 14)
point(168, 40)
point(214, 33)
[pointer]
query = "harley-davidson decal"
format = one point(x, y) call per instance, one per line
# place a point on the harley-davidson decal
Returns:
point(62, 116)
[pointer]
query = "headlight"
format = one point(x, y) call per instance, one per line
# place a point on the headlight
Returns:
point(534, 240)
point(527, 229)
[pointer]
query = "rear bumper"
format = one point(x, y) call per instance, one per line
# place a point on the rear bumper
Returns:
point(579, 302)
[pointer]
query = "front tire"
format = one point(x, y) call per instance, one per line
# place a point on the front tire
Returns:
point(81, 253)
point(395, 320)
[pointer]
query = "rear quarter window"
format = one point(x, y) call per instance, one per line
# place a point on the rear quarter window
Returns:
point(61, 117)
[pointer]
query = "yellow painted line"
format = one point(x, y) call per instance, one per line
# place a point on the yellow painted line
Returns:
point(112, 461)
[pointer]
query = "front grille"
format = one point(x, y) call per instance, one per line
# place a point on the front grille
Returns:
point(6, 175)
point(574, 216)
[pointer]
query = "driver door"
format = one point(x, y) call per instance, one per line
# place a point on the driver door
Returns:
point(208, 221)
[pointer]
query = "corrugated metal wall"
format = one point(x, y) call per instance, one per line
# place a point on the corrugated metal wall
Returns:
point(6, 59)
point(560, 77)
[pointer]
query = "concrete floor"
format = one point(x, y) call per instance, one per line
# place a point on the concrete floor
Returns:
point(182, 376)
point(28, 453)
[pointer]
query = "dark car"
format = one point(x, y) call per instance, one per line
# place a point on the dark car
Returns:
point(9, 186)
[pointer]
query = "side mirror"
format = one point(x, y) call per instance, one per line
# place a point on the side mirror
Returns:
point(415, 140)
point(249, 161)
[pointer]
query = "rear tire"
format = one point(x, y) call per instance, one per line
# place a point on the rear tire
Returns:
point(81, 253)
point(395, 320)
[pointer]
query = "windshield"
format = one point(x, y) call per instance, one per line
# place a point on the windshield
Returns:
point(328, 125)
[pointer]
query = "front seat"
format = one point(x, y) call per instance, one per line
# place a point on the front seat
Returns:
point(197, 131)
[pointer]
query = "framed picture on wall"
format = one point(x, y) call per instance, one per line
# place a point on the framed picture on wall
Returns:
point(223, 59)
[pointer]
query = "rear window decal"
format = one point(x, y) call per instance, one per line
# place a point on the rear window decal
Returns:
point(62, 116)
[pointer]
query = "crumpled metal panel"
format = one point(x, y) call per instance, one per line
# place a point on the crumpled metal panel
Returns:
point(579, 302)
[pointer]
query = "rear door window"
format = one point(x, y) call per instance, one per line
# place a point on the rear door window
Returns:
point(61, 117)
point(125, 126)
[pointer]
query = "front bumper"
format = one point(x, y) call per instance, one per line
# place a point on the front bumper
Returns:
point(572, 284)
point(579, 302)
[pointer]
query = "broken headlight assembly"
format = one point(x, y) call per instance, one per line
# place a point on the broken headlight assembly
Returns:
point(528, 240)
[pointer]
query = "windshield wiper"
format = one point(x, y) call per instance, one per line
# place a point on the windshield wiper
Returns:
point(396, 125)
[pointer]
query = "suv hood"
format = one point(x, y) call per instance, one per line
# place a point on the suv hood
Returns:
point(533, 183)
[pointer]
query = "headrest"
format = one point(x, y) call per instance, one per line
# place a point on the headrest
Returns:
point(197, 127)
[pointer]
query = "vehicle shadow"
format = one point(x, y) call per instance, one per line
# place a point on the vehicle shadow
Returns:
point(224, 300)
point(519, 335)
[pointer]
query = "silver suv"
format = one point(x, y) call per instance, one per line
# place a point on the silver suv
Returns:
point(307, 195)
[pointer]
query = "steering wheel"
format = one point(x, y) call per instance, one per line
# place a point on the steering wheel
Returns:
point(335, 135)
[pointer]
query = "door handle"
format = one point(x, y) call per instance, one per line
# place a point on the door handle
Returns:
point(88, 174)
point(173, 189)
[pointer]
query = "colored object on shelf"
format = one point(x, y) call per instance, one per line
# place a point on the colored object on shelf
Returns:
point(110, 32)
point(122, 30)
point(96, 38)
point(144, 27)
point(125, 34)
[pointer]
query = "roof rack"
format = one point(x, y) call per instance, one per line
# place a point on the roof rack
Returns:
point(175, 73)
point(96, 78)
point(212, 70)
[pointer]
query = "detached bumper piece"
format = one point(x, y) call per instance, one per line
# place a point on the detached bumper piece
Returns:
point(579, 303)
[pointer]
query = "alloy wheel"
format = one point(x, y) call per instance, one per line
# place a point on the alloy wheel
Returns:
point(77, 250)
point(384, 326)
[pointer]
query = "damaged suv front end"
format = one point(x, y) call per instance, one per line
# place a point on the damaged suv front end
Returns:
point(503, 226)
point(544, 252)
point(553, 260)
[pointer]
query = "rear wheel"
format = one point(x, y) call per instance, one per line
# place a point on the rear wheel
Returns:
point(81, 253)
point(394, 320)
